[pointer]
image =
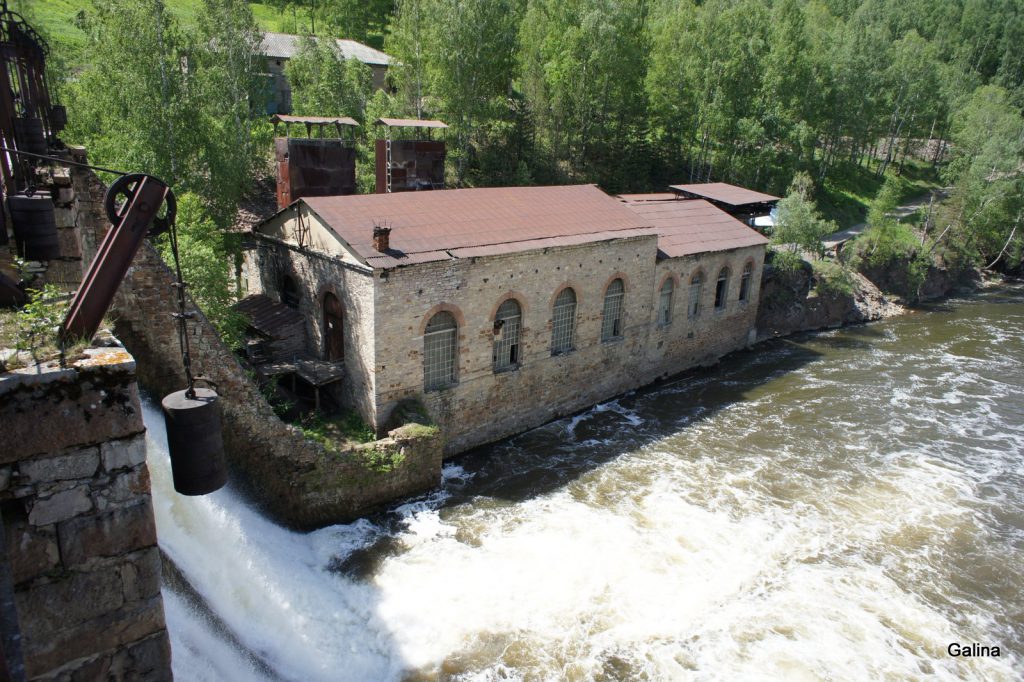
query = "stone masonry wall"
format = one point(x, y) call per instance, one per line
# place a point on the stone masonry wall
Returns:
point(485, 406)
point(78, 519)
point(265, 265)
point(694, 341)
point(297, 480)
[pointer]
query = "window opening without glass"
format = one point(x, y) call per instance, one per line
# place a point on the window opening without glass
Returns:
point(611, 320)
point(507, 322)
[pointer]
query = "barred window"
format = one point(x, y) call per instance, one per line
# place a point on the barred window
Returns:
point(507, 323)
point(665, 303)
point(748, 273)
point(696, 288)
point(440, 343)
point(563, 322)
point(722, 288)
point(611, 319)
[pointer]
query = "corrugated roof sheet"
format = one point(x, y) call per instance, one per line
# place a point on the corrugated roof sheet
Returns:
point(338, 120)
point(688, 227)
point(266, 315)
point(725, 193)
point(409, 123)
point(460, 223)
point(286, 45)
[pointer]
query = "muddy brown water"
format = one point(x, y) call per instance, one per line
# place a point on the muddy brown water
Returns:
point(842, 505)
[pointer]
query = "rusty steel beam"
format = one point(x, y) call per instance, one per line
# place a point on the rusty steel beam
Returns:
point(113, 259)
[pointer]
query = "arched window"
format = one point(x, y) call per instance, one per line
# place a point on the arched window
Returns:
point(507, 322)
point(722, 288)
point(440, 343)
point(611, 319)
point(563, 322)
point(748, 273)
point(696, 288)
point(334, 339)
point(665, 303)
point(289, 292)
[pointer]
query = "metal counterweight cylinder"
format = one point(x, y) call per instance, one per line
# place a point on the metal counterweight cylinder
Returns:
point(35, 227)
point(195, 442)
point(28, 133)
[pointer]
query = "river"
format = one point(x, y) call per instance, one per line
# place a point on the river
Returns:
point(834, 506)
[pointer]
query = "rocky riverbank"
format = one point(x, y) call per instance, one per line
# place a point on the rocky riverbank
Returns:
point(794, 301)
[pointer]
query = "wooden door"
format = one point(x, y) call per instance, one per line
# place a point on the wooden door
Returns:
point(334, 338)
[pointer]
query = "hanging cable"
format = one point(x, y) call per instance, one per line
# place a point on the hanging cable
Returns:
point(182, 315)
point(57, 159)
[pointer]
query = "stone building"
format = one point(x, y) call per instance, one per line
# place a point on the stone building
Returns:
point(503, 308)
point(278, 48)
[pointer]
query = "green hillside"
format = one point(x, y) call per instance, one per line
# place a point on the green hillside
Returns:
point(55, 19)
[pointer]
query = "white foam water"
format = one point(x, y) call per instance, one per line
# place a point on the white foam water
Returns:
point(847, 518)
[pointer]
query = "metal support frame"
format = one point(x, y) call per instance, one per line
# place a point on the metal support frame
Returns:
point(113, 259)
point(24, 90)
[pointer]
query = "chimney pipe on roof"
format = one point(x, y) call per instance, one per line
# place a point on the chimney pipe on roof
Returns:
point(381, 238)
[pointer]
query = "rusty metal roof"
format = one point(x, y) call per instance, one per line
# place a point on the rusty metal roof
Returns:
point(320, 120)
point(409, 123)
point(688, 227)
point(269, 317)
point(286, 45)
point(723, 193)
point(461, 223)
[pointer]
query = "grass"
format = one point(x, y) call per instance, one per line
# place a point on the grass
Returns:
point(55, 20)
point(850, 189)
point(11, 334)
point(337, 432)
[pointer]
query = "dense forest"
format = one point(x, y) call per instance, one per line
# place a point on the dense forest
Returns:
point(821, 99)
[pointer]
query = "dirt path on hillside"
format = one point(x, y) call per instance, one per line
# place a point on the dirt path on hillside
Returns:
point(902, 211)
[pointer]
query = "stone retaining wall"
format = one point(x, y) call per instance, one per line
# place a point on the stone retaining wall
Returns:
point(78, 521)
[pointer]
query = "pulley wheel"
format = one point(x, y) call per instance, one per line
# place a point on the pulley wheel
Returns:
point(195, 441)
point(122, 191)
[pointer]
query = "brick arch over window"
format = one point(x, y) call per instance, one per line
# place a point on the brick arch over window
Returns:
point(460, 319)
point(562, 287)
point(509, 295)
point(618, 275)
point(747, 279)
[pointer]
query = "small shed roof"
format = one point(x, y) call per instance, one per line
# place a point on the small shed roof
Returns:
point(689, 227)
point(724, 193)
point(269, 317)
point(409, 123)
point(286, 45)
point(318, 120)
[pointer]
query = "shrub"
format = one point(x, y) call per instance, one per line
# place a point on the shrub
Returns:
point(832, 278)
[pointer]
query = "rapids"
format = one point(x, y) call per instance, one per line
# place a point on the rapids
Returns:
point(835, 506)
